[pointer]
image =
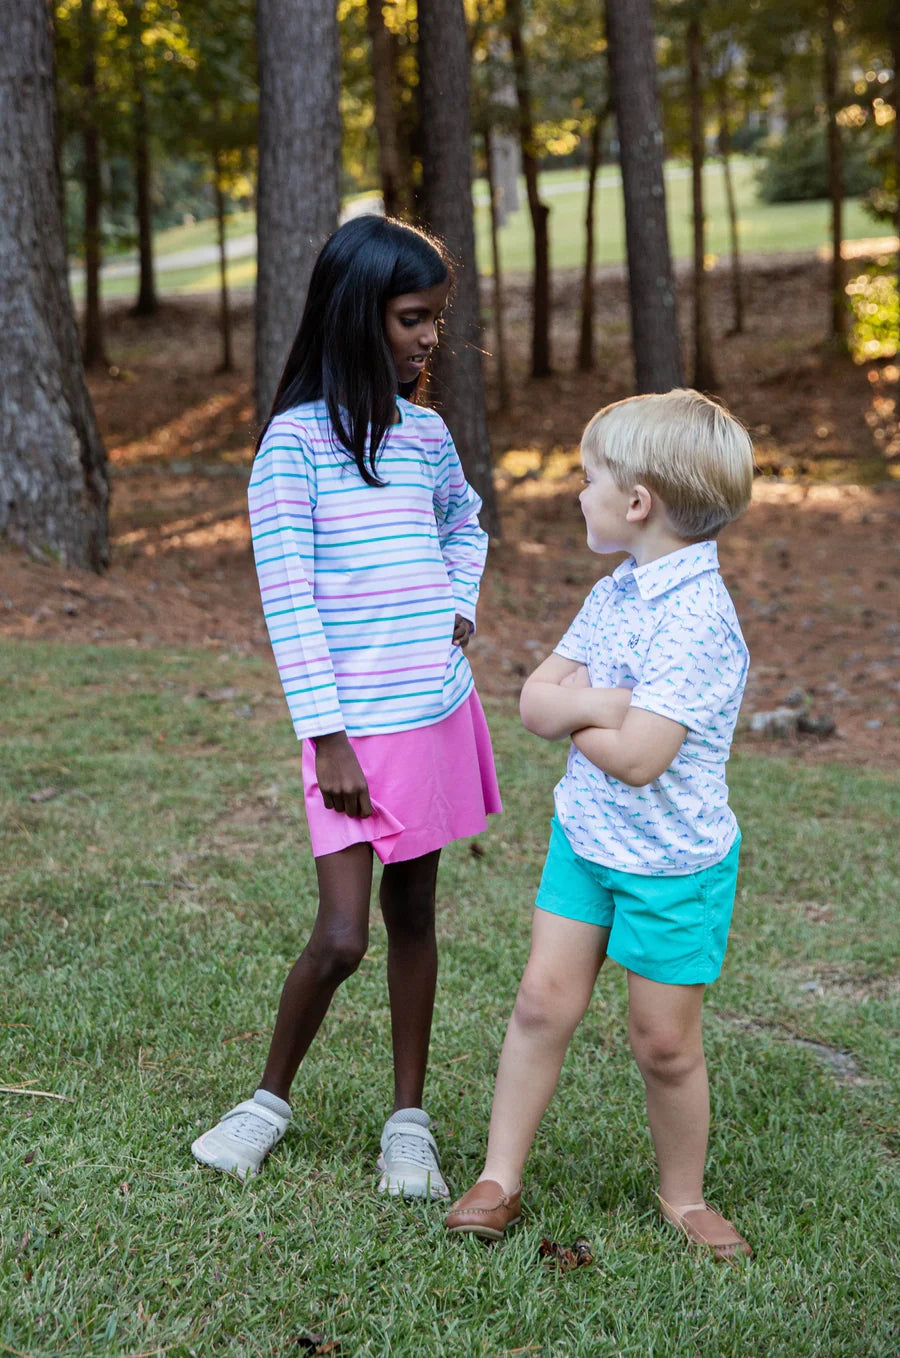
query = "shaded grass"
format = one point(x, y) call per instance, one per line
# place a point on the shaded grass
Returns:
point(149, 913)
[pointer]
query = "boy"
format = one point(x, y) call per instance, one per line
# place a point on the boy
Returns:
point(643, 853)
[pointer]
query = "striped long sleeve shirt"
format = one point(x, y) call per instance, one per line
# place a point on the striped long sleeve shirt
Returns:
point(360, 584)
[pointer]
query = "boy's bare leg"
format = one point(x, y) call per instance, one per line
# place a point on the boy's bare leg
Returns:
point(664, 1025)
point(566, 956)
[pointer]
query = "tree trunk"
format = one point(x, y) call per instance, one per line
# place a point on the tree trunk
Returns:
point(586, 334)
point(540, 321)
point(147, 303)
point(298, 193)
point(53, 488)
point(497, 280)
point(227, 364)
point(704, 368)
point(94, 351)
point(385, 110)
point(837, 305)
point(737, 280)
point(895, 56)
point(457, 378)
point(654, 321)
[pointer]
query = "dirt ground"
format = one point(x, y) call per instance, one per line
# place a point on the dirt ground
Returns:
point(813, 565)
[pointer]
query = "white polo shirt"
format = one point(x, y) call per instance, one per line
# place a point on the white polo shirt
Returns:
point(669, 632)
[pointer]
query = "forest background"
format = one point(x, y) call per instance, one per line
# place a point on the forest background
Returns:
point(636, 195)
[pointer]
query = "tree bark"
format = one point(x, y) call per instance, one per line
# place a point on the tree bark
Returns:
point(298, 193)
point(497, 279)
point(737, 278)
point(147, 303)
point(457, 378)
point(94, 349)
point(654, 321)
point(540, 321)
point(895, 56)
point(704, 368)
point(53, 487)
point(586, 332)
point(227, 363)
point(385, 110)
point(837, 328)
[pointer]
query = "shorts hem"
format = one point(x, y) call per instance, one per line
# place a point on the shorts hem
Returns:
point(669, 975)
point(565, 911)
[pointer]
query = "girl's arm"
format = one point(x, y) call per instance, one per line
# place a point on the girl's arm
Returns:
point(281, 498)
point(552, 708)
point(463, 542)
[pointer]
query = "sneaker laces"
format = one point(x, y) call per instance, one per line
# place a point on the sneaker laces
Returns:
point(251, 1129)
point(411, 1149)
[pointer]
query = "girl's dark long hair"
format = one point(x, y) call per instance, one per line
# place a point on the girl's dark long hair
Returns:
point(340, 353)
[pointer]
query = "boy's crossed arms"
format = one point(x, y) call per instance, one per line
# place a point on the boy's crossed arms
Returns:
point(628, 743)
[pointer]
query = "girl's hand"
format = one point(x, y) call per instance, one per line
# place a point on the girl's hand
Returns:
point(342, 782)
point(462, 631)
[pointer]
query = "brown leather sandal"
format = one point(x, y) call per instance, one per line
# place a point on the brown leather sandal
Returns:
point(704, 1226)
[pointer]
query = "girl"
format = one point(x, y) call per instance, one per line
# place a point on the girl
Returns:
point(369, 557)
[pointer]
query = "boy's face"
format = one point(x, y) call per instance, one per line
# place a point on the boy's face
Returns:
point(605, 507)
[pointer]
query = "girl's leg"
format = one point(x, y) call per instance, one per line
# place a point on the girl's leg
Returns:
point(336, 946)
point(407, 903)
point(664, 1025)
point(566, 956)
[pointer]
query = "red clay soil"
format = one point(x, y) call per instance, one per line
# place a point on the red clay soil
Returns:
point(813, 565)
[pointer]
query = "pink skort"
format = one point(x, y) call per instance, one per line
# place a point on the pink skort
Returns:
point(427, 787)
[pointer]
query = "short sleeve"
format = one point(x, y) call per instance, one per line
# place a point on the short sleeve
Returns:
point(694, 672)
point(577, 642)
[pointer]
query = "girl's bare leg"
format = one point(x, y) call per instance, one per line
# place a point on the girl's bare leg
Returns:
point(407, 903)
point(336, 946)
point(566, 956)
point(664, 1025)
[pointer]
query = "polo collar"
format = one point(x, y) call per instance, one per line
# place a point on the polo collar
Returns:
point(663, 574)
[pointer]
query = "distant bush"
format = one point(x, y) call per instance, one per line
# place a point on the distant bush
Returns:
point(796, 168)
point(881, 200)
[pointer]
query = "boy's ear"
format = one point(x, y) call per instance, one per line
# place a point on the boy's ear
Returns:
point(640, 502)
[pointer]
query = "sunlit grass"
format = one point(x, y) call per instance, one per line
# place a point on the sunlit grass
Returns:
point(764, 228)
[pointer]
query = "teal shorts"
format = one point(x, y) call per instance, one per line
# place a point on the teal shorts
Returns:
point(670, 929)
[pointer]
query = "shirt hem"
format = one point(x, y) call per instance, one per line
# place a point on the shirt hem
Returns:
point(700, 866)
point(413, 724)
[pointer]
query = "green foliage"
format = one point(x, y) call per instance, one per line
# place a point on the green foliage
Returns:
point(148, 913)
point(876, 314)
point(568, 81)
point(195, 62)
point(796, 167)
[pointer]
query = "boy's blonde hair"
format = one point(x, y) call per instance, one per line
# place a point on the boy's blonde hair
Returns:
point(691, 452)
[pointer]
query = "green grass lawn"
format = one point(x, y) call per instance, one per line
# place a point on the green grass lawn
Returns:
point(764, 228)
point(150, 909)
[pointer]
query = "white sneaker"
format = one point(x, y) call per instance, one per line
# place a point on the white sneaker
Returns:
point(242, 1140)
point(409, 1161)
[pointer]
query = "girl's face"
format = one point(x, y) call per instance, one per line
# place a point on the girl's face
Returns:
point(410, 328)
